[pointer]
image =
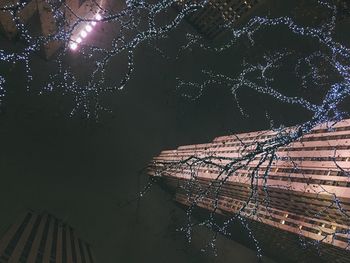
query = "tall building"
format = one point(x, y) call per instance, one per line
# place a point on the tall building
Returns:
point(301, 196)
point(211, 19)
point(42, 238)
point(343, 9)
point(44, 18)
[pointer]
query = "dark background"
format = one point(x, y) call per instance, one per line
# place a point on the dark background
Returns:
point(86, 171)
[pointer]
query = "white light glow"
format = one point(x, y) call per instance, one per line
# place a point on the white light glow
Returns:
point(88, 28)
point(98, 17)
point(83, 33)
point(93, 23)
point(79, 39)
point(73, 46)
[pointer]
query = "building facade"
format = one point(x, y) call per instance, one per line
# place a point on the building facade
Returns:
point(40, 237)
point(212, 18)
point(300, 196)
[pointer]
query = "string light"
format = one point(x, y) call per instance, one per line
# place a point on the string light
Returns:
point(332, 54)
point(98, 17)
point(138, 25)
point(127, 19)
point(88, 28)
point(73, 46)
point(83, 33)
point(2, 88)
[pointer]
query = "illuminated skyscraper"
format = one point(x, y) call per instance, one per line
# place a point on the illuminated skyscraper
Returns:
point(211, 19)
point(36, 238)
point(301, 196)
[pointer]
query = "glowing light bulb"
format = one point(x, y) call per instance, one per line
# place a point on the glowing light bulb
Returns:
point(88, 28)
point(98, 17)
point(83, 33)
point(73, 46)
point(93, 23)
point(78, 40)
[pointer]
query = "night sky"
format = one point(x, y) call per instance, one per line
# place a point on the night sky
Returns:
point(86, 171)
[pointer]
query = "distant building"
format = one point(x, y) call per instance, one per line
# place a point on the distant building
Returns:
point(42, 238)
point(306, 12)
point(211, 19)
point(343, 7)
point(306, 195)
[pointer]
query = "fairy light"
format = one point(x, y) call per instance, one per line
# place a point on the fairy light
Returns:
point(128, 20)
point(83, 33)
point(333, 53)
point(98, 17)
point(2, 88)
point(336, 56)
point(73, 46)
point(88, 28)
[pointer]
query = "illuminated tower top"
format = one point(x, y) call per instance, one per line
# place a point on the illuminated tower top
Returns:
point(298, 190)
